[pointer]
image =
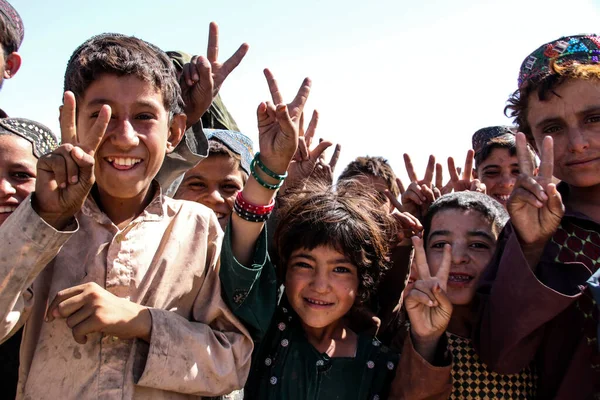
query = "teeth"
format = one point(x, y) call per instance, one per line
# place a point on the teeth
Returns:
point(219, 215)
point(459, 278)
point(123, 161)
point(317, 302)
point(502, 197)
point(7, 209)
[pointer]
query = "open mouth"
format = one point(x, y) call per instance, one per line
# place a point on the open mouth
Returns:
point(502, 198)
point(123, 163)
point(7, 209)
point(459, 279)
point(317, 303)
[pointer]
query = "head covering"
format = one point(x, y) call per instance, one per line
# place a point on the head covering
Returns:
point(484, 135)
point(11, 16)
point(237, 142)
point(179, 59)
point(41, 137)
point(584, 49)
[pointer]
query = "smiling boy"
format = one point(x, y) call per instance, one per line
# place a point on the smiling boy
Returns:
point(537, 306)
point(118, 289)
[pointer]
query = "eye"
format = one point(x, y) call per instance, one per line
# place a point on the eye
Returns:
point(342, 270)
point(490, 174)
point(552, 129)
point(196, 185)
point(516, 171)
point(23, 176)
point(145, 116)
point(300, 264)
point(593, 119)
point(230, 187)
point(479, 246)
point(438, 245)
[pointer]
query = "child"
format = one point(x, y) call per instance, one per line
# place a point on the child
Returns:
point(537, 306)
point(22, 142)
point(496, 164)
point(117, 284)
point(11, 37)
point(304, 348)
point(216, 181)
point(470, 222)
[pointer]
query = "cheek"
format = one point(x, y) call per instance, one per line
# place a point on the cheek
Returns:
point(24, 189)
point(184, 193)
point(229, 200)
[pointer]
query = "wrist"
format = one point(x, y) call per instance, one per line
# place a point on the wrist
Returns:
point(426, 346)
point(58, 221)
point(143, 324)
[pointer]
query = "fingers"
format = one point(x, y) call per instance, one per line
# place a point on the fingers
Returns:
point(531, 186)
point(413, 194)
point(397, 205)
point(312, 128)
point(297, 105)
point(232, 62)
point(322, 155)
point(428, 193)
point(64, 311)
point(421, 294)
point(523, 155)
point(400, 186)
point(420, 258)
point(444, 269)
point(410, 169)
point(555, 203)
point(320, 149)
point(212, 52)
point(477, 186)
point(273, 87)
point(335, 157)
point(547, 160)
point(467, 173)
point(441, 298)
point(302, 152)
point(439, 176)
point(187, 76)
point(92, 139)
point(429, 170)
point(452, 170)
point(286, 123)
point(68, 131)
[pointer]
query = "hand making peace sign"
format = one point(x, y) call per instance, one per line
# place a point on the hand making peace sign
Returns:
point(467, 182)
point(535, 206)
point(66, 176)
point(419, 194)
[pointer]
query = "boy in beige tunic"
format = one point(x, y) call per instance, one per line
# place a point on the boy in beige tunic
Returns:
point(117, 285)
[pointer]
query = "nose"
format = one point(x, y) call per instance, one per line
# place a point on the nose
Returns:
point(6, 188)
point(507, 180)
point(578, 141)
point(459, 254)
point(123, 135)
point(320, 283)
point(213, 197)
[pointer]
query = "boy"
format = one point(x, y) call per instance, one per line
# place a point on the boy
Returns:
point(11, 37)
point(536, 304)
point(216, 181)
point(118, 284)
point(496, 164)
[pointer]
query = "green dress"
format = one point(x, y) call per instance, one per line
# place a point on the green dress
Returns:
point(285, 365)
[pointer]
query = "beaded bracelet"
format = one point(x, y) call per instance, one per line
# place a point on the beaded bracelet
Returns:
point(253, 208)
point(264, 184)
point(267, 171)
point(249, 216)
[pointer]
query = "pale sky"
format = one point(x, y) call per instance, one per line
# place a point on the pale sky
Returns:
point(389, 76)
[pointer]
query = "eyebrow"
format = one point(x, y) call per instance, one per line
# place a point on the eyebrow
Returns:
point(228, 178)
point(342, 260)
point(141, 102)
point(546, 121)
point(478, 233)
point(23, 165)
point(498, 166)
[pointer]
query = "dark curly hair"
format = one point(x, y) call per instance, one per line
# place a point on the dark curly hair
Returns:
point(9, 37)
point(345, 218)
point(518, 102)
point(113, 53)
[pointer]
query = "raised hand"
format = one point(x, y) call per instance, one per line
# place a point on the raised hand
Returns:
point(88, 309)
point(427, 304)
point(305, 160)
point(323, 170)
point(66, 176)
point(407, 224)
point(467, 182)
point(535, 206)
point(279, 125)
point(419, 194)
point(202, 77)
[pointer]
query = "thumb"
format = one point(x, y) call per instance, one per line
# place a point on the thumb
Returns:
point(555, 204)
point(285, 121)
point(318, 151)
point(85, 162)
point(442, 299)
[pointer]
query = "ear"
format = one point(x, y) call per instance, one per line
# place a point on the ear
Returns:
point(176, 131)
point(475, 175)
point(11, 65)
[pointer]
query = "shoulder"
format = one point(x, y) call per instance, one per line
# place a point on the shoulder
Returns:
point(193, 215)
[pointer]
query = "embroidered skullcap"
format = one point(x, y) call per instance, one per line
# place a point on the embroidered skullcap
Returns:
point(237, 142)
point(40, 136)
point(484, 135)
point(582, 49)
point(12, 17)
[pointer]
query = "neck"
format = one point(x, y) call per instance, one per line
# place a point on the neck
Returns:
point(122, 211)
point(585, 200)
point(461, 322)
point(336, 340)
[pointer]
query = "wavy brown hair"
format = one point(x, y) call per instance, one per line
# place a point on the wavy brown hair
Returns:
point(345, 218)
point(518, 102)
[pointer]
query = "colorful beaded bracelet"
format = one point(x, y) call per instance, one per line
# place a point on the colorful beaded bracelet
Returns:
point(248, 216)
point(253, 208)
point(267, 171)
point(264, 184)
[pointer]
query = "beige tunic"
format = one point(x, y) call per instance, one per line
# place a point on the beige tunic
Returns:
point(166, 259)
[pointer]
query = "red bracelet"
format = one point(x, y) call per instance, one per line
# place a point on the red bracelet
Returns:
point(253, 208)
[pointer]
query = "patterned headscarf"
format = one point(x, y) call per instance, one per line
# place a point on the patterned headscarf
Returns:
point(237, 142)
point(12, 17)
point(41, 137)
point(484, 135)
point(584, 49)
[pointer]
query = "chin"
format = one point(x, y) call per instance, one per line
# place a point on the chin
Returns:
point(123, 190)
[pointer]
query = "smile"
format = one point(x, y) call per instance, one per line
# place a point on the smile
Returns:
point(7, 209)
point(123, 163)
point(318, 303)
point(220, 215)
point(459, 279)
point(581, 163)
point(502, 198)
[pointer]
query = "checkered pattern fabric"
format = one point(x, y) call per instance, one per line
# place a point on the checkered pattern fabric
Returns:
point(472, 379)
